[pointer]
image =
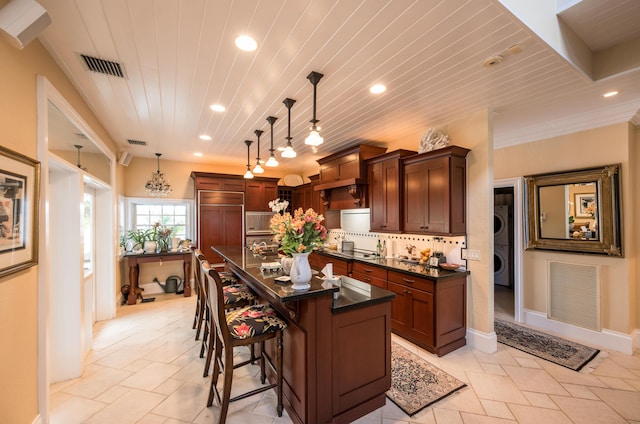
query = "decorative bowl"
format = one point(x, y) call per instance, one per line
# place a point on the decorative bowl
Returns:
point(449, 267)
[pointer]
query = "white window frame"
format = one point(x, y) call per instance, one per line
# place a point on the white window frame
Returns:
point(131, 202)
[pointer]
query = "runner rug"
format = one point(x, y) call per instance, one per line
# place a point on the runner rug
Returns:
point(415, 383)
point(554, 349)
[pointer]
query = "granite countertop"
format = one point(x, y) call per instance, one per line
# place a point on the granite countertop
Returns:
point(251, 267)
point(394, 264)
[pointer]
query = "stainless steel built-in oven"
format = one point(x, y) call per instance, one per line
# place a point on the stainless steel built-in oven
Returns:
point(257, 229)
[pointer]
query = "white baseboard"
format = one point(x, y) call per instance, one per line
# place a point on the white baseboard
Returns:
point(38, 420)
point(604, 339)
point(484, 342)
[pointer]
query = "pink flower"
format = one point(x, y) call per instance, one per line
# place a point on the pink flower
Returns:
point(242, 330)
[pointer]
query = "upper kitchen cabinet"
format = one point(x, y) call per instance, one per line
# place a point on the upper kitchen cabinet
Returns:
point(435, 192)
point(347, 164)
point(343, 177)
point(385, 190)
point(259, 192)
point(223, 182)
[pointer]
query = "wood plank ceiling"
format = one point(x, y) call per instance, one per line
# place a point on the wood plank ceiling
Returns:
point(179, 58)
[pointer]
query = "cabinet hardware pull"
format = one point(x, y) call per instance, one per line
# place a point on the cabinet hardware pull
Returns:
point(409, 292)
point(367, 270)
point(366, 279)
point(408, 281)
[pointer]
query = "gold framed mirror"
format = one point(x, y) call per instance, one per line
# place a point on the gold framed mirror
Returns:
point(575, 211)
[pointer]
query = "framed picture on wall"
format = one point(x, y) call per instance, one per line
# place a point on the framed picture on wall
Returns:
point(19, 194)
point(585, 205)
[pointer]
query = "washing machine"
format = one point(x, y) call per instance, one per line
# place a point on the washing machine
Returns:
point(501, 265)
point(501, 225)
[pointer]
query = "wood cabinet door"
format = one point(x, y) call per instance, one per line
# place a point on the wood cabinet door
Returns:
point(399, 308)
point(253, 196)
point(219, 226)
point(420, 324)
point(270, 193)
point(329, 172)
point(414, 198)
point(377, 198)
point(436, 206)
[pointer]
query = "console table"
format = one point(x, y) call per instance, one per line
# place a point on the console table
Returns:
point(134, 269)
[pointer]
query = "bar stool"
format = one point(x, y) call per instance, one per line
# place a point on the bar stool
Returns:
point(240, 327)
point(235, 296)
point(201, 304)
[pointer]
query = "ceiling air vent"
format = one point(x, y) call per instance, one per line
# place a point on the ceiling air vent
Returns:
point(137, 142)
point(102, 66)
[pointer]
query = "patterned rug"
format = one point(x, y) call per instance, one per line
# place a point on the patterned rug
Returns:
point(554, 349)
point(415, 383)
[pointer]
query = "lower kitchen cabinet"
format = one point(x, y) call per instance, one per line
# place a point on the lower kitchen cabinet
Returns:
point(340, 266)
point(428, 312)
point(373, 275)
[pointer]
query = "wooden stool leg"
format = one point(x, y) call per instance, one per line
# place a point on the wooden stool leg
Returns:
point(279, 406)
point(213, 390)
point(263, 374)
point(226, 390)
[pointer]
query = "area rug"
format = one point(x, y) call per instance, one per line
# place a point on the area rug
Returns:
point(415, 383)
point(554, 349)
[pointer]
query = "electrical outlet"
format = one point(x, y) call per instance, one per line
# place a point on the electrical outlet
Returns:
point(463, 254)
point(473, 254)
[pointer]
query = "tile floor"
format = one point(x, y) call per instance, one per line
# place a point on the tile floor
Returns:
point(145, 368)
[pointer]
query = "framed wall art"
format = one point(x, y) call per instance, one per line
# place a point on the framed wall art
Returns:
point(585, 205)
point(19, 195)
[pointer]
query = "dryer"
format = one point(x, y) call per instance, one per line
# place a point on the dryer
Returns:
point(501, 265)
point(501, 225)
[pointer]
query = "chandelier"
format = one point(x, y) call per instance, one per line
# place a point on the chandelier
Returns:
point(158, 186)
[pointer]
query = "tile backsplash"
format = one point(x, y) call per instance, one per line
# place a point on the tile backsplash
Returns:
point(355, 227)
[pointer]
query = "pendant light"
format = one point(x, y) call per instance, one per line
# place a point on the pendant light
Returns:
point(272, 162)
point(258, 168)
point(314, 138)
point(248, 174)
point(158, 186)
point(288, 151)
point(78, 146)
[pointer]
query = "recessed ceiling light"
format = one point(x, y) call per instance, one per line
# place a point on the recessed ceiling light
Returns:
point(246, 43)
point(610, 94)
point(217, 108)
point(492, 61)
point(205, 137)
point(198, 154)
point(378, 88)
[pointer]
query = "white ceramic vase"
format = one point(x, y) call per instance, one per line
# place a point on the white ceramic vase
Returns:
point(150, 246)
point(286, 263)
point(300, 271)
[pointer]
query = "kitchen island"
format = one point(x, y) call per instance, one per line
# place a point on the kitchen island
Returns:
point(337, 352)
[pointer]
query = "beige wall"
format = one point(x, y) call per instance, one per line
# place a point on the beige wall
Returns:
point(601, 146)
point(19, 292)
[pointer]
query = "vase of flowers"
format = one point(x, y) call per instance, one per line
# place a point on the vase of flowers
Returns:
point(297, 234)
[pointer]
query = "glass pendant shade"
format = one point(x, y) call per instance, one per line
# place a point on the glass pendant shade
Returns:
point(314, 138)
point(272, 161)
point(248, 174)
point(158, 186)
point(288, 152)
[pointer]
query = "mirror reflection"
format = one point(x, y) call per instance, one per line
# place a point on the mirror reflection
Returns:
point(575, 211)
point(71, 145)
point(569, 211)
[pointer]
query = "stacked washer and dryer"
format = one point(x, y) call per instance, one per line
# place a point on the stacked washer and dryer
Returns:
point(503, 245)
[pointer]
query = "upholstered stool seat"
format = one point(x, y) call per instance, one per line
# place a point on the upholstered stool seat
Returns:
point(228, 278)
point(253, 321)
point(234, 294)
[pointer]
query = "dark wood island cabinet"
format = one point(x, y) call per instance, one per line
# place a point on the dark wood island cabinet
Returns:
point(337, 352)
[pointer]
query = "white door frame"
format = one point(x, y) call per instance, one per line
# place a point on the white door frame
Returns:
point(518, 225)
point(105, 270)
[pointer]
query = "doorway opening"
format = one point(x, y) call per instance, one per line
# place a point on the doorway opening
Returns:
point(508, 201)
